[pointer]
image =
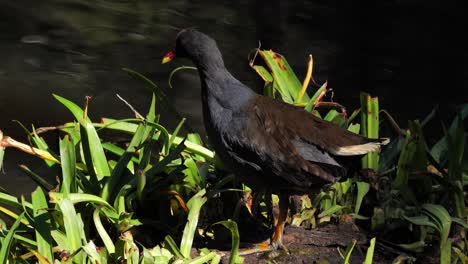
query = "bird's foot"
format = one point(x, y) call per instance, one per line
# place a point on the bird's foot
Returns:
point(265, 247)
point(278, 245)
point(257, 248)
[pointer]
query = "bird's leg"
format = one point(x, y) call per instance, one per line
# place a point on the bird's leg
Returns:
point(276, 241)
point(277, 237)
point(252, 201)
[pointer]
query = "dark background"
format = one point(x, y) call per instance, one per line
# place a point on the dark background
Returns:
point(411, 54)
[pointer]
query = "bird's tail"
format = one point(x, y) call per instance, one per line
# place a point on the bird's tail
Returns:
point(361, 149)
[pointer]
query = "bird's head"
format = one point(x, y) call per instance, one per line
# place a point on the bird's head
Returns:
point(195, 46)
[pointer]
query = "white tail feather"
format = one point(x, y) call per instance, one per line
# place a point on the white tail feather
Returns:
point(359, 149)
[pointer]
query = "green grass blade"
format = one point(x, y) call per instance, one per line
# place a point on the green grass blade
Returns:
point(192, 177)
point(417, 246)
point(370, 127)
point(25, 241)
point(270, 85)
point(232, 226)
point(172, 246)
point(77, 112)
point(73, 226)
point(13, 201)
point(269, 90)
point(131, 128)
point(362, 190)
point(92, 145)
point(94, 257)
point(151, 116)
point(439, 215)
point(118, 151)
point(439, 150)
point(283, 75)
point(140, 184)
point(102, 232)
point(114, 181)
point(333, 209)
point(78, 198)
point(127, 248)
point(176, 131)
point(421, 220)
point(354, 115)
point(461, 222)
point(446, 252)
point(42, 225)
point(68, 164)
point(90, 139)
point(456, 150)
point(42, 144)
point(355, 128)
point(331, 115)
point(311, 104)
point(370, 252)
point(165, 137)
point(61, 239)
point(8, 240)
point(28, 215)
point(349, 251)
point(37, 178)
point(147, 151)
point(461, 255)
point(413, 155)
point(166, 160)
point(194, 204)
point(388, 158)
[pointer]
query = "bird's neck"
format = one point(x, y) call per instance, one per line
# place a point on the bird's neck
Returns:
point(221, 88)
point(208, 61)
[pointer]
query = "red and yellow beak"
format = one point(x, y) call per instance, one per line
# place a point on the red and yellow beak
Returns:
point(168, 57)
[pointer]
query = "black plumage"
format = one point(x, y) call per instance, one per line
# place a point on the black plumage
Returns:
point(269, 144)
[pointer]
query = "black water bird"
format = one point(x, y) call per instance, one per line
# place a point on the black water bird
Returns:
point(270, 145)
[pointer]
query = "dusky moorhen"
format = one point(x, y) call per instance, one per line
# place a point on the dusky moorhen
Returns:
point(269, 144)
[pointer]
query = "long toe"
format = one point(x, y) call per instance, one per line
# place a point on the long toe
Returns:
point(257, 248)
point(278, 245)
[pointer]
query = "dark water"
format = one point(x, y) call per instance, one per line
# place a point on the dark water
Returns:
point(411, 54)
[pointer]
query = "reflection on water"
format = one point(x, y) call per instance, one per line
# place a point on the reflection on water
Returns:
point(401, 52)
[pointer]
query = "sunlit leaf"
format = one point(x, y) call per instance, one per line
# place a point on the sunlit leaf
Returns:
point(68, 164)
point(194, 205)
point(90, 139)
point(102, 232)
point(370, 127)
point(283, 75)
point(74, 227)
point(232, 226)
point(42, 225)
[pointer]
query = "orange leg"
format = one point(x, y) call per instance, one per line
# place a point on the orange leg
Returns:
point(277, 238)
point(276, 241)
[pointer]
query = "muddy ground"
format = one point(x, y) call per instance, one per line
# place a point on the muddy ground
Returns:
point(321, 246)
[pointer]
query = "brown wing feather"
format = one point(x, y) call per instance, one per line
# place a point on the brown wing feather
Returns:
point(316, 131)
point(268, 134)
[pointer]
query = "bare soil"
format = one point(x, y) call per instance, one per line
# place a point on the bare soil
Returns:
point(322, 245)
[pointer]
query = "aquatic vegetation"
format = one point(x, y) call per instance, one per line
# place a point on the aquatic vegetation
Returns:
point(131, 191)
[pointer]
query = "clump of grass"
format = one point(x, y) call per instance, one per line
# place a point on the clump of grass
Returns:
point(417, 189)
point(108, 193)
point(92, 211)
